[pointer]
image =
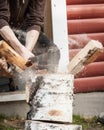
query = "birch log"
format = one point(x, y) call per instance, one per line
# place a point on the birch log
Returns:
point(12, 57)
point(50, 98)
point(87, 55)
point(34, 125)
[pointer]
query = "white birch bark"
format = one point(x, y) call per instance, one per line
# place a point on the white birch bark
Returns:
point(34, 125)
point(51, 98)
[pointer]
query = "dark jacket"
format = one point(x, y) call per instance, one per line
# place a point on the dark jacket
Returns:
point(26, 14)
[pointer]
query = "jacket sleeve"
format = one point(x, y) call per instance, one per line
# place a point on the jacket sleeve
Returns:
point(4, 13)
point(35, 15)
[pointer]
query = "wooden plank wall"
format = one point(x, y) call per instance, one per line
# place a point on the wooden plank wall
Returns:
point(85, 20)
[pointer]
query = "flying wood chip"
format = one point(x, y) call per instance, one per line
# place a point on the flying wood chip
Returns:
point(87, 55)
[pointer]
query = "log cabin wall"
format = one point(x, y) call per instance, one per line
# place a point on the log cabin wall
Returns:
point(85, 19)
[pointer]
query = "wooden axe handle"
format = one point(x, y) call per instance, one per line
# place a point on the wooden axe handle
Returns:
point(12, 57)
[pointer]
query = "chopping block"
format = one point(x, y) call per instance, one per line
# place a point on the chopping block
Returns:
point(50, 97)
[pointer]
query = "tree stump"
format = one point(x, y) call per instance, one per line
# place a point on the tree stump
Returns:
point(50, 97)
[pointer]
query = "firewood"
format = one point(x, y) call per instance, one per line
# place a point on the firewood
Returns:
point(87, 55)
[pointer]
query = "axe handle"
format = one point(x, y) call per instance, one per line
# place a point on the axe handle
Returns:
point(12, 57)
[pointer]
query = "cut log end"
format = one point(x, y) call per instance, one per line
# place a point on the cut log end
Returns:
point(87, 55)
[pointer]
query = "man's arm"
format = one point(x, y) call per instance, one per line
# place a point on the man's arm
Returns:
point(4, 13)
point(9, 36)
point(7, 33)
point(34, 21)
point(31, 39)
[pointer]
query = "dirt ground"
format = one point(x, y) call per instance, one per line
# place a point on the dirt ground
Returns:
point(88, 124)
point(95, 128)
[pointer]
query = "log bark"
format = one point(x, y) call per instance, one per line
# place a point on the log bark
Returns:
point(85, 11)
point(12, 57)
point(35, 125)
point(92, 70)
point(87, 55)
point(82, 39)
point(71, 2)
point(50, 98)
point(91, 84)
point(86, 26)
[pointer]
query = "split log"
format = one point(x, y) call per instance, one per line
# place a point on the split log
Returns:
point(35, 125)
point(87, 55)
point(73, 52)
point(12, 57)
point(50, 98)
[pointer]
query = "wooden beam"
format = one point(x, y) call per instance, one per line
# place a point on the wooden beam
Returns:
point(85, 11)
point(12, 96)
point(92, 70)
point(87, 55)
point(71, 2)
point(60, 34)
point(89, 84)
point(82, 39)
point(86, 26)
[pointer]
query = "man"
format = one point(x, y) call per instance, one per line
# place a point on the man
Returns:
point(22, 14)
point(21, 22)
point(25, 15)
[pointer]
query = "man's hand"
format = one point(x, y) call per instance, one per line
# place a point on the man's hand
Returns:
point(31, 39)
point(9, 36)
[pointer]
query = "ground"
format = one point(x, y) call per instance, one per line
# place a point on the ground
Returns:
point(88, 124)
point(15, 123)
point(11, 123)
